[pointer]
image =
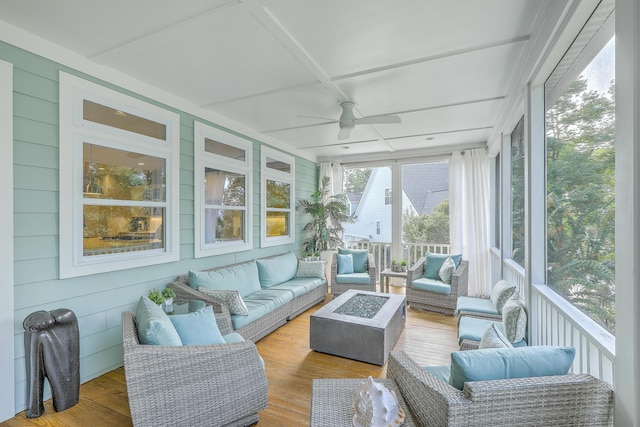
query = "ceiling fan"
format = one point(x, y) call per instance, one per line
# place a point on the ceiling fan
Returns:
point(348, 121)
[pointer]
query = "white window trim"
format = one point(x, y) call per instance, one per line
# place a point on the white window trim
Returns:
point(73, 130)
point(203, 159)
point(268, 173)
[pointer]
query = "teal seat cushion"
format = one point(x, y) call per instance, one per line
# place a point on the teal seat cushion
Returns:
point(355, 278)
point(232, 337)
point(503, 363)
point(476, 305)
point(473, 329)
point(300, 286)
point(153, 325)
point(441, 372)
point(431, 285)
point(345, 263)
point(260, 304)
point(433, 262)
point(359, 258)
point(278, 269)
point(242, 278)
point(198, 327)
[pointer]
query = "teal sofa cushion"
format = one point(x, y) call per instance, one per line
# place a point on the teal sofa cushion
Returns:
point(360, 257)
point(476, 305)
point(300, 286)
point(243, 278)
point(441, 372)
point(433, 262)
point(260, 304)
point(278, 269)
point(355, 278)
point(153, 325)
point(431, 285)
point(503, 363)
point(198, 328)
point(345, 263)
point(473, 329)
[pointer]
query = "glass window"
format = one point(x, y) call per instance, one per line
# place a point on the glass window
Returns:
point(378, 227)
point(367, 188)
point(278, 175)
point(118, 206)
point(580, 131)
point(517, 193)
point(223, 181)
point(387, 196)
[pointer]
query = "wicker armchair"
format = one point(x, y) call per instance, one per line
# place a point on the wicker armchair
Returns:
point(538, 401)
point(200, 385)
point(440, 303)
point(339, 288)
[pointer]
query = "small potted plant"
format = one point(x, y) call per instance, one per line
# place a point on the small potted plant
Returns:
point(403, 265)
point(168, 294)
point(156, 296)
point(316, 256)
point(394, 265)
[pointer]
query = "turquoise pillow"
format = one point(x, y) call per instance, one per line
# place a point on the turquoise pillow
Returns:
point(345, 264)
point(433, 262)
point(153, 324)
point(243, 278)
point(198, 328)
point(360, 257)
point(276, 270)
point(502, 363)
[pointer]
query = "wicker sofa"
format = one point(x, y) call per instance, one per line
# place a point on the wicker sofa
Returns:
point(559, 400)
point(290, 298)
point(445, 300)
point(199, 385)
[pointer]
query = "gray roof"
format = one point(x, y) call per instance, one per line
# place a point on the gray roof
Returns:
point(426, 185)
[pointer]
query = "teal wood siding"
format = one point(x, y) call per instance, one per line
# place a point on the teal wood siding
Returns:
point(97, 300)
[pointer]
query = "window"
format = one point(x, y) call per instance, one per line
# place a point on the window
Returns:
point(378, 228)
point(387, 196)
point(278, 190)
point(517, 193)
point(580, 127)
point(223, 182)
point(118, 180)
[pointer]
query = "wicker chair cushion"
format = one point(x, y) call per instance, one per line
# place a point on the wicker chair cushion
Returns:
point(345, 263)
point(359, 258)
point(243, 278)
point(431, 285)
point(476, 305)
point(198, 328)
point(153, 324)
point(504, 363)
point(446, 270)
point(313, 269)
point(433, 262)
point(278, 269)
point(355, 278)
point(500, 293)
point(493, 337)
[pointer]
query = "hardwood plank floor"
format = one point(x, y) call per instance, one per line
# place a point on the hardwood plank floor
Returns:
point(428, 338)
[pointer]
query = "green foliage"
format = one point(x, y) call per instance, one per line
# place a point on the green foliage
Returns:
point(581, 201)
point(168, 293)
point(425, 228)
point(327, 216)
point(155, 296)
point(356, 179)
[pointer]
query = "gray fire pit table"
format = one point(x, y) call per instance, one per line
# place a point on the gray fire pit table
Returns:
point(359, 325)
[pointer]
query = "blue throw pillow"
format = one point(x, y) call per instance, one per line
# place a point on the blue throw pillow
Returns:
point(433, 262)
point(198, 328)
point(278, 269)
point(503, 363)
point(359, 258)
point(153, 325)
point(345, 264)
point(243, 278)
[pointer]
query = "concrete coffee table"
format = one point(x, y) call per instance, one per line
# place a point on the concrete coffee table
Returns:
point(360, 325)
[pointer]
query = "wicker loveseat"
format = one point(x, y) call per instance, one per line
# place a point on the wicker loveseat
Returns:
point(363, 281)
point(559, 400)
point(443, 300)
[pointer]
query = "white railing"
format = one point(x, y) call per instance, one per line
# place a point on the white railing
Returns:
point(555, 321)
point(382, 250)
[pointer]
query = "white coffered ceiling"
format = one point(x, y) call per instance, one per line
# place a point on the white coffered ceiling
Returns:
point(443, 66)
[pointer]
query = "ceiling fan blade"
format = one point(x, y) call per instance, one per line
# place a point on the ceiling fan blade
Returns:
point(344, 133)
point(326, 119)
point(371, 120)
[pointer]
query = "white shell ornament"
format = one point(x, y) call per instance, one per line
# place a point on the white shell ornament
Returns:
point(376, 406)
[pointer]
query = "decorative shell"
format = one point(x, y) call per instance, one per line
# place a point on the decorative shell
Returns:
point(376, 406)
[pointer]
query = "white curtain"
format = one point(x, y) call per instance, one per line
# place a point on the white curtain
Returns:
point(334, 172)
point(469, 215)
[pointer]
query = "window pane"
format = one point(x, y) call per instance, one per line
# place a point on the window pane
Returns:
point(223, 225)
point(122, 175)
point(368, 208)
point(517, 193)
point(278, 165)
point(224, 150)
point(108, 116)
point(224, 188)
point(114, 229)
point(580, 128)
point(278, 194)
point(277, 224)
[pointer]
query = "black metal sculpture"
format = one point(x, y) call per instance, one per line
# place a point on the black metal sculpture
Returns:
point(52, 350)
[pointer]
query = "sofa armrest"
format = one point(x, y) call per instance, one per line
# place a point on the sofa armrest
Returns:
point(416, 271)
point(220, 308)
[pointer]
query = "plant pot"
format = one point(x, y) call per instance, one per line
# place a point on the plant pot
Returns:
point(403, 268)
point(168, 301)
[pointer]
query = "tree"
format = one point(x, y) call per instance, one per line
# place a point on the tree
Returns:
point(356, 179)
point(425, 228)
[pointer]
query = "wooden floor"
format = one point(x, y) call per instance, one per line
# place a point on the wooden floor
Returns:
point(428, 338)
